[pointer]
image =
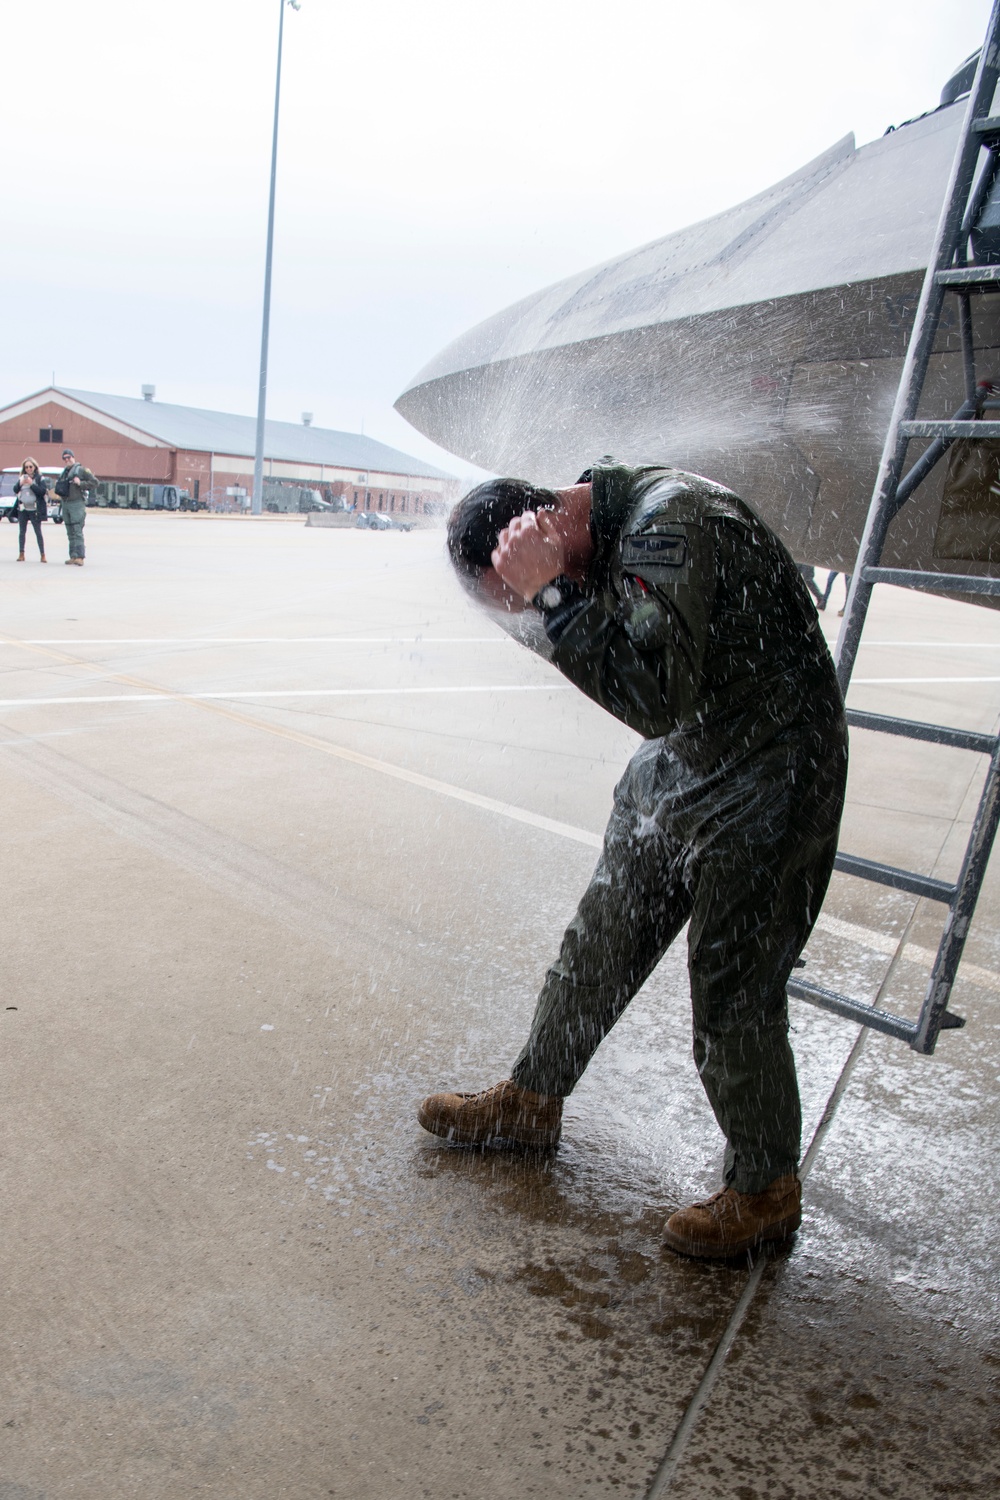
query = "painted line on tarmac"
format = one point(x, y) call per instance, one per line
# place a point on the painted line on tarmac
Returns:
point(340, 752)
point(939, 645)
point(264, 640)
point(397, 640)
point(913, 681)
point(272, 891)
point(915, 953)
point(670, 1465)
point(236, 694)
point(151, 692)
point(865, 937)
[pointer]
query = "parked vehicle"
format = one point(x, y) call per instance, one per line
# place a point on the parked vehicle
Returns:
point(310, 500)
point(166, 497)
point(282, 499)
point(127, 495)
point(377, 520)
point(8, 493)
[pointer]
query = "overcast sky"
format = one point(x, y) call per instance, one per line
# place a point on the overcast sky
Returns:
point(438, 160)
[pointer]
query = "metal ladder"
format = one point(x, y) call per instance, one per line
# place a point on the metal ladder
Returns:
point(949, 273)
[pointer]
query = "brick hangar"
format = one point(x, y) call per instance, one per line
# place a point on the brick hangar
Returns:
point(210, 454)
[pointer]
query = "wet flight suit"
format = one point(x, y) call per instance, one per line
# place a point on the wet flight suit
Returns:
point(694, 628)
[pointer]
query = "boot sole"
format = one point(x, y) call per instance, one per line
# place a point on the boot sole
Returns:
point(702, 1250)
point(526, 1139)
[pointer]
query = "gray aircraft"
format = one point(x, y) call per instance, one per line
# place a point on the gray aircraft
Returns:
point(761, 347)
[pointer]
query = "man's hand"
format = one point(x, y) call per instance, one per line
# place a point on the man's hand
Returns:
point(529, 552)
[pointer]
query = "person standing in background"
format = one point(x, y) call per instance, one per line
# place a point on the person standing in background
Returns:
point(74, 486)
point(821, 595)
point(31, 493)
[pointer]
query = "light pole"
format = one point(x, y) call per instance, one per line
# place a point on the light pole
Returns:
point(257, 503)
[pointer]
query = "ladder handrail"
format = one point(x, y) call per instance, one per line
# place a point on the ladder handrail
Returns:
point(921, 343)
point(948, 273)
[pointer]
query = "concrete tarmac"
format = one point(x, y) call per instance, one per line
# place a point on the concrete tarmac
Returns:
point(291, 835)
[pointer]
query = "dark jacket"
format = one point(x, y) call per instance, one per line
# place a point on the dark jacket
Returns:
point(693, 623)
point(40, 493)
point(88, 481)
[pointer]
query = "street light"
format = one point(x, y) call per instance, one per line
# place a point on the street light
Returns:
point(257, 503)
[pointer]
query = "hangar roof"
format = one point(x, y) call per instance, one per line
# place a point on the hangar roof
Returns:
point(225, 432)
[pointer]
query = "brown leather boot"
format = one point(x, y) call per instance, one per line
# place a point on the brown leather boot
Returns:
point(20, 557)
point(504, 1114)
point(732, 1223)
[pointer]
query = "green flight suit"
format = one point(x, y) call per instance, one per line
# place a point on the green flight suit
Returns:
point(74, 506)
point(695, 629)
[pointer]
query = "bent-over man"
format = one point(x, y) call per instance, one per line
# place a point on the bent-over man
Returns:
point(668, 602)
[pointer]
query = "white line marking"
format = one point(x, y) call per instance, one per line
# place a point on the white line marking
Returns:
point(489, 804)
point(939, 645)
point(266, 640)
point(883, 942)
point(865, 937)
point(238, 693)
point(914, 681)
point(667, 1471)
point(389, 640)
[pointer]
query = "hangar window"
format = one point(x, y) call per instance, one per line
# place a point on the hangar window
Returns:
point(50, 434)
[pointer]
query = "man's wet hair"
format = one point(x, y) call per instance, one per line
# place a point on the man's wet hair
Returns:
point(475, 524)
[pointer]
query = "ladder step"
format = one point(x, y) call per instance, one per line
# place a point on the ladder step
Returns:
point(899, 880)
point(933, 583)
point(982, 431)
point(854, 1010)
point(936, 734)
point(868, 1015)
point(987, 125)
point(960, 278)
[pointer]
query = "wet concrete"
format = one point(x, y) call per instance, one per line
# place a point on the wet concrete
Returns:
point(242, 944)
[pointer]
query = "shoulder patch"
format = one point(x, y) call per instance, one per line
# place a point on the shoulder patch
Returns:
point(662, 549)
point(648, 625)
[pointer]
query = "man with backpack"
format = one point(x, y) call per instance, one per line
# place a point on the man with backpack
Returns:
point(74, 487)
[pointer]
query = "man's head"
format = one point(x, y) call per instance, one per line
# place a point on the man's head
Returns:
point(475, 524)
point(484, 515)
point(68, 455)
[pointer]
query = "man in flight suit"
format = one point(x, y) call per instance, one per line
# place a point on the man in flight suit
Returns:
point(668, 602)
point(73, 486)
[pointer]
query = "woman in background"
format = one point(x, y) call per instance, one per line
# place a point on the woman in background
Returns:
point(31, 506)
